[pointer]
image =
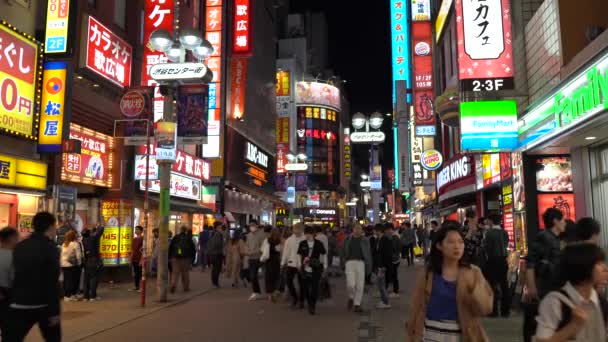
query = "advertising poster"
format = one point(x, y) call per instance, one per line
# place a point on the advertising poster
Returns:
point(115, 244)
point(165, 134)
point(57, 21)
point(507, 212)
point(239, 88)
point(423, 73)
point(65, 208)
point(25, 225)
point(92, 165)
point(554, 174)
point(519, 193)
point(321, 94)
point(564, 202)
point(192, 114)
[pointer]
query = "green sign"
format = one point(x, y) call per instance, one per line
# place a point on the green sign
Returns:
point(584, 96)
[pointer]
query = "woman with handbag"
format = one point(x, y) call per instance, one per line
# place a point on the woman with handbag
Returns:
point(312, 262)
point(450, 295)
point(71, 259)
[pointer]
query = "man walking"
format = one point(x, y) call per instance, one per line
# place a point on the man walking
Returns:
point(392, 272)
point(255, 239)
point(136, 253)
point(384, 252)
point(35, 297)
point(408, 240)
point(358, 258)
point(496, 248)
point(290, 259)
point(181, 253)
point(203, 241)
point(215, 251)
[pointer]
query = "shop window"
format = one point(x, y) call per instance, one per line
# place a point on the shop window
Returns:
point(120, 11)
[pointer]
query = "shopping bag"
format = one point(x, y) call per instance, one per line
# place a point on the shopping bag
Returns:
point(417, 251)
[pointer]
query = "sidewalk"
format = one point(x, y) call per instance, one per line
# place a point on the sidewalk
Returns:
point(118, 306)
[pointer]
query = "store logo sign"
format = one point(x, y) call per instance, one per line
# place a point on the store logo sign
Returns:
point(457, 170)
point(256, 156)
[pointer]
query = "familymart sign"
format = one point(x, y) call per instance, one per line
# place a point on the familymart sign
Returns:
point(580, 99)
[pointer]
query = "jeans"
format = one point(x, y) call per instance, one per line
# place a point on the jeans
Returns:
point(254, 267)
point(90, 280)
point(381, 284)
point(21, 321)
point(355, 280)
point(409, 254)
point(310, 287)
point(392, 277)
point(136, 274)
point(216, 269)
point(497, 277)
point(291, 274)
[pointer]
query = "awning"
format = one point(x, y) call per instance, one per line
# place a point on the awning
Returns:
point(180, 205)
point(463, 190)
point(229, 216)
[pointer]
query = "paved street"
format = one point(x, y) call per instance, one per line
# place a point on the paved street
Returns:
point(225, 315)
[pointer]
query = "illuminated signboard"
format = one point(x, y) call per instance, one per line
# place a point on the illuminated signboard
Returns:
point(317, 113)
point(318, 94)
point(52, 115)
point(283, 93)
point(213, 33)
point(239, 87)
point(423, 73)
point(180, 186)
point(421, 10)
point(507, 211)
point(485, 50)
point(22, 173)
point(107, 54)
point(94, 163)
point(57, 21)
point(18, 82)
point(400, 41)
point(185, 164)
point(442, 16)
point(425, 131)
point(242, 43)
point(157, 15)
point(117, 239)
point(282, 160)
point(489, 125)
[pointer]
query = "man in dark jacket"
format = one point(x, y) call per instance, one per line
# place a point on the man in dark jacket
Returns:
point(408, 241)
point(496, 248)
point(203, 255)
point(36, 285)
point(384, 262)
point(92, 261)
point(182, 252)
point(215, 251)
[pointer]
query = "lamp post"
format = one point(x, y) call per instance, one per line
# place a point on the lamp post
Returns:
point(174, 47)
point(297, 163)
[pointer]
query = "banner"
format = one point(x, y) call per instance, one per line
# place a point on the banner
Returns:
point(192, 114)
point(239, 88)
point(424, 95)
point(92, 165)
point(115, 244)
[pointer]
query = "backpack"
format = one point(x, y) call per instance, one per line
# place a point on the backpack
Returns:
point(183, 246)
point(567, 311)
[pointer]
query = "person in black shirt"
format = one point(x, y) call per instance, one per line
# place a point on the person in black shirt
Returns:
point(35, 297)
point(313, 261)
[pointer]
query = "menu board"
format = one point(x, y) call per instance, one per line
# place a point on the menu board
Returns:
point(554, 174)
point(115, 244)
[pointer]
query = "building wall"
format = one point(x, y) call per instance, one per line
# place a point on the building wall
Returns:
point(543, 50)
point(23, 14)
point(576, 17)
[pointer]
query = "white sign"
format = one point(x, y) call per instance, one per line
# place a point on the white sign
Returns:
point(296, 167)
point(425, 131)
point(456, 170)
point(178, 71)
point(140, 168)
point(351, 204)
point(255, 155)
point(322, 212)
point(365, 184)
point(367, 137)
point(283, 104)
point(483, 31)
point(291, 194)
point(181, 186)
point(421, 10)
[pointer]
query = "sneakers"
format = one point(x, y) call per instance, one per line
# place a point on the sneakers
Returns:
point(383, 306)
point(255, 296)
point(350, 304)
point(394, 295)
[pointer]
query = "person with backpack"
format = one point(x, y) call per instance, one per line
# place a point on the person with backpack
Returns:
point(576, 312)
point(496, 248)
point(92, 261)
point(182, 252)
point(215, 252)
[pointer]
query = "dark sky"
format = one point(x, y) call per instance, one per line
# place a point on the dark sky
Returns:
point(359, 49)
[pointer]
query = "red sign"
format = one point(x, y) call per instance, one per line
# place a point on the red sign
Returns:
point(132, 103)
point(283, 83)
point(213, 18)
point(506, 171)
point(107, 54)
point(563, 202)
point(242, 42)
point(282, 152)
point(239, 86)
point(485, 50)
point(185, 164)
point(317, 134)
point(423, 73)
point(93, 164)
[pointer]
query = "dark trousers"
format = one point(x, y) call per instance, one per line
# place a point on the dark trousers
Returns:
point(20, 322)
point(291, 274)
point(70, 280)
point(90, 281)
point(254, 267)
point(272, 274)
point(530, 313)
point(310, 288)
point(392, 277)
point(409, 253)
point(136, 274)
point(216, 268)
point(497, 269)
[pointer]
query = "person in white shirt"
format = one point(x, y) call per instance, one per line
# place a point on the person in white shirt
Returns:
point(71, 259)
point(290, 260)
point(576, 312)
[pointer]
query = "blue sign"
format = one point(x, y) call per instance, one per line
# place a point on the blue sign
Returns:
point(400, 41)
point(425, 131)
point(291, 194)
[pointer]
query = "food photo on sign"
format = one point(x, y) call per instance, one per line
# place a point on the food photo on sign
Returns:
point(554, 174)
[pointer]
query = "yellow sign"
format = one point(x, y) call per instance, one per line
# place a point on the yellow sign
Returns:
point(108, 246)
point(19, 72)
point(23, 173)
point(53, 107)
point(441, 17)
point(57, 20)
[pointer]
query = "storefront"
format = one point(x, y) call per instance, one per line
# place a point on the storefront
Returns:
point(319, 216)
point(457, 186)
point(564, 138)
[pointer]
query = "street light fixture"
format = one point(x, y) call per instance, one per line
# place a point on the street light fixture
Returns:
point(364, 177)
point(190, 38)
point(161, 40)
point(376, 120)
point(359, 120)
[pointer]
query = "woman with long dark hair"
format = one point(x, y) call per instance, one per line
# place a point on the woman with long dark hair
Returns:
point(450, 295)
point(271, 257)
point(71, 258)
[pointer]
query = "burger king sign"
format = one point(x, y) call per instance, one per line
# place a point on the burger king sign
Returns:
point(431, 160)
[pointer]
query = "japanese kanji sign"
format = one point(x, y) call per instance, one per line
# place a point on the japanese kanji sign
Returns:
point(423, 73)
point(18, 67)
point(421, 10)
point(185, 164)
point(485, 50)
point(242, 40)
point(239, 88)
point(94, 163)
point(107, 54)
point(400, 41)
point(57, 20)
point(195, 72)
point(214, 26)
point(52, 113)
